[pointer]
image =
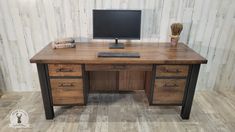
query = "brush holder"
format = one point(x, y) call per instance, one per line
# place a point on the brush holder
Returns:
point(174, 40)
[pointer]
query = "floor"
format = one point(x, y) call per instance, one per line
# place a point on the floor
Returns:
point(211, 112)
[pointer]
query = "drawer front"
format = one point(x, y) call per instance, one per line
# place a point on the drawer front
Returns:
point(172, 70)
point(67, 91)
point(169, 91)
point(68, 101)
point(65, 70)
point(119, 67)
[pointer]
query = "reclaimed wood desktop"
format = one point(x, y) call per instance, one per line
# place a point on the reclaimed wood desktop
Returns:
point(168, 74)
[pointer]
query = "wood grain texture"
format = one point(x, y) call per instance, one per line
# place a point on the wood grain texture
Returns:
point(76, 100)
point(131, 80)
point(103, 81)
point(121, 77)
point(26, 26)
point(150, 53)
point(173, 89)
point(118, 67)
point(172, 70)
point(123, 112)
point(65, 70)
point(148, 78)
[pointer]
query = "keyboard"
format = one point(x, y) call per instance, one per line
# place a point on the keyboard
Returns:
point(119, 54)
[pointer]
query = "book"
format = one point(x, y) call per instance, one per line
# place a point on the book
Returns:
point(63, 45)
point(64, 40)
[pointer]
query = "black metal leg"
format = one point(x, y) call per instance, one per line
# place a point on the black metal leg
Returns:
point(85, 84)
point(45, 90)
point(152, 84)
point(188, 99)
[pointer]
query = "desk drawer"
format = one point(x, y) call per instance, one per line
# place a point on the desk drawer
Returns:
point(65, 70)
point(169, 91)
point(67, 91)
point(172, 70)
point(67, 101)
point(118, 67)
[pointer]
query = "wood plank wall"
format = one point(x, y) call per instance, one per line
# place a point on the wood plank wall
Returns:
point(26, 26)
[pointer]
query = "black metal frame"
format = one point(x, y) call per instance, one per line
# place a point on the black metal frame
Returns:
point(189, 91)
point(186, 103)
point(85, 76)
point(152, 84)
point(45, 90)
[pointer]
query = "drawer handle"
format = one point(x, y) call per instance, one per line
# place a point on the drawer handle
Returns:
point(119, 66)
point(66, 85)
point(172, 71)
point(170, 85)
point(64, 70)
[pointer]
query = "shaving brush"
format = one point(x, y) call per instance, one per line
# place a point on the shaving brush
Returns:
point(176, 29)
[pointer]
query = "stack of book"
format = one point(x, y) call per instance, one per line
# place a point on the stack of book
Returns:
point(63, 43)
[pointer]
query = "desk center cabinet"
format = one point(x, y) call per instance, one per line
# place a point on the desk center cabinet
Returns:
point(167, 87)
point(67, 76)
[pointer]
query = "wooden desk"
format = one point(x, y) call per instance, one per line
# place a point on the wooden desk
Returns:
point(167, 74)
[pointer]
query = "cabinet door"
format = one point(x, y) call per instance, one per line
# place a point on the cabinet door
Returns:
point(131, 80)
point(169, 91)
point(103, 81)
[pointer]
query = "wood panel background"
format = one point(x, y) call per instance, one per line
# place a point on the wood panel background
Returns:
point(26, 26)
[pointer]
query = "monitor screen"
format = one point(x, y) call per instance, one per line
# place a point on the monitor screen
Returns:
point(121, 24)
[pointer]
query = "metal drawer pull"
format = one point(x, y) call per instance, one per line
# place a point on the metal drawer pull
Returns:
point(172, 71)
point(66, 85)
point(170, 85)
point(64, 70)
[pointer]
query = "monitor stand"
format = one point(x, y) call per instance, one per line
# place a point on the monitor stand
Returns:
point(116, 45)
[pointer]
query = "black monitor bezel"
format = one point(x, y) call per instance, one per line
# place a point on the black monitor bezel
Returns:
point(126, 38)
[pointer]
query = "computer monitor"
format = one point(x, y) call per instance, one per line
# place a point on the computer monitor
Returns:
point(116, 24)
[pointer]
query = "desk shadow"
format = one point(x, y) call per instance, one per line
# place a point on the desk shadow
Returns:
point(117, 107)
